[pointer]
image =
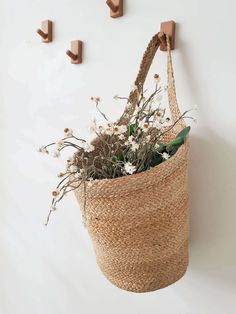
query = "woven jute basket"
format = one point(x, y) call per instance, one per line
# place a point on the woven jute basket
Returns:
point(139, 223)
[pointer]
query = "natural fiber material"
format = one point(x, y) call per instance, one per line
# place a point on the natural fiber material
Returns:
point(139, 223)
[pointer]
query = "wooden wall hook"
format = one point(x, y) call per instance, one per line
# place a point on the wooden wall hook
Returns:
point(46, 31)
point(167, 28)
point(75, 52)
point(116, 7)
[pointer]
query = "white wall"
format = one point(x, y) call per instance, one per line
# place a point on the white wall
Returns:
point(53, 270)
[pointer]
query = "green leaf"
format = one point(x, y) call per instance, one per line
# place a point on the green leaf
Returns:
point(156, 160)
point(131, 128)
point(118, 157)
point(176, 141)
point(172, 149)
point(161, 148)
point(183, 133)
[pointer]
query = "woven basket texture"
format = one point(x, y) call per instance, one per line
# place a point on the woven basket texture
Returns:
point(139, 223)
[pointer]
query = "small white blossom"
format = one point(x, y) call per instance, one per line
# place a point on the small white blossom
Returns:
point(60, 174)
point(108, 130)
point(160, 112)
point(130, 140)
point(55, 193)
point(157, 78)
point(59, 143)
point(165, 156)
point(43, 150)
point(73, 168)
point(53, 207)
point(96, 99)
point(137, 110)
point(156, 124)
point(80, 173)
point(88, 147)
point(68, 132)
point(134, 147)
point(129, 168)
point(70, 160)
point(93, 128)
point(121, 137)
point(56, 153)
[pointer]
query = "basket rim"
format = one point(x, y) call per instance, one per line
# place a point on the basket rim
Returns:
point(135, 176)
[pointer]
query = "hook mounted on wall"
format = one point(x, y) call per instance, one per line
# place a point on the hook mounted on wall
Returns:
point(167, 28)
point(116, 7)
point(45, 31)
point(75, 52)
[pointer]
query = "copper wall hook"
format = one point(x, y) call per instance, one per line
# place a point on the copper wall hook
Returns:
point(46, 31)
point(167, 28)
point(116, 7)
point(75, 52)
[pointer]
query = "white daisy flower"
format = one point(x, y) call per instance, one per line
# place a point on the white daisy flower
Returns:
point(119, 129)
point(144, 125)
point(129, 168)
point(116, 130)
point(165, 156)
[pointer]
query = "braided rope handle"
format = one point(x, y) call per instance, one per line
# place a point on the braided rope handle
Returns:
point(146, 62)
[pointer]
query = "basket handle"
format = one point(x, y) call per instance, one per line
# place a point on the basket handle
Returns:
point(147, 59)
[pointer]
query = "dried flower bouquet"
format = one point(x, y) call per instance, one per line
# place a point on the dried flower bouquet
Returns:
point(118, 150)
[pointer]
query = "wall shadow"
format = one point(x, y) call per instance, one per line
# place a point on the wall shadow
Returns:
point(212, 173)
